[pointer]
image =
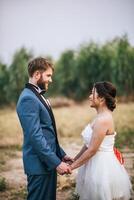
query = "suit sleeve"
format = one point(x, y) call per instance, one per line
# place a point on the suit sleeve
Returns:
point(30, 121)
point(62, 152)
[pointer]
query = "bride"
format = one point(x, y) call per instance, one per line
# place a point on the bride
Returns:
point(101, 176)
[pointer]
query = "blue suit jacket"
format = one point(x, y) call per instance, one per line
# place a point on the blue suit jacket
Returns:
point(41, 150)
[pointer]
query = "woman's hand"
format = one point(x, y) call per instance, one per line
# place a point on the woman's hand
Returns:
point(68, 160)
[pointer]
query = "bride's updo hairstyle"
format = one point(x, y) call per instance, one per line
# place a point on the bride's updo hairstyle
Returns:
point(108, 91)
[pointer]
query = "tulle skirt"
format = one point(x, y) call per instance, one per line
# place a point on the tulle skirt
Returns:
point(103, 178)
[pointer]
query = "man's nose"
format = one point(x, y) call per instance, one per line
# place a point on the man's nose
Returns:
point(50, 80)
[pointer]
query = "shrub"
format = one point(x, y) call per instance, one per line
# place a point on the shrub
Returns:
point(3, 184)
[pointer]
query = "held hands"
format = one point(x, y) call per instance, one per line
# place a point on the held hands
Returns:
point(65, 165)
point(63, 168)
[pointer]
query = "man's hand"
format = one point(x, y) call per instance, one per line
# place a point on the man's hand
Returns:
point(63, 168)
point(68, 160)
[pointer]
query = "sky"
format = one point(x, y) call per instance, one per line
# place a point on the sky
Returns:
point(49, 27)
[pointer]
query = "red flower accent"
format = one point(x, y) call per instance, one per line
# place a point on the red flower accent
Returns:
point(119, 155)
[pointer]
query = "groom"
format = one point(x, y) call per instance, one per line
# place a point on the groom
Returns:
point(42, 155)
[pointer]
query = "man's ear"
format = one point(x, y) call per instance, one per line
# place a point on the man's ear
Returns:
point(37, 74)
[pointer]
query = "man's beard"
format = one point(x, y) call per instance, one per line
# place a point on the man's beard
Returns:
point(41, 83)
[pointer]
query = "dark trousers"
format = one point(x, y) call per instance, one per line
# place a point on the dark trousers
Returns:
point(42, 187)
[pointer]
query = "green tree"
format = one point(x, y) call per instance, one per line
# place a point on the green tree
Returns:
point(88, 69)
point(4, 79)
point(65, 74)
point(18, 73)
point(124, 70)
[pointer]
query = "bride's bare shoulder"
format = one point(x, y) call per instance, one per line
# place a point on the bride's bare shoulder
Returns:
point(103, 121)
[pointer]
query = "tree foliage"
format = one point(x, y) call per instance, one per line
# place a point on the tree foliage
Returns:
point(14, 77)
point(76, 71)
point(18, 73)
point(4, 80)
point(114, 61)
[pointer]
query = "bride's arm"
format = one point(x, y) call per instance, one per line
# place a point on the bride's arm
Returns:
point(98, 135)
point(84, 148)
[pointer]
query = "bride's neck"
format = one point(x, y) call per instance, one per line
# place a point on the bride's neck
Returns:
point(102, 109)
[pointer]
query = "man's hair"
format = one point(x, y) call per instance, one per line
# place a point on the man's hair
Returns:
point(40, 64)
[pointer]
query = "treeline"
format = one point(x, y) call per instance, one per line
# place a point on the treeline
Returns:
point(76, 71)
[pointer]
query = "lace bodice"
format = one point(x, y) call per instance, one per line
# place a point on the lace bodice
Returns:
point(107, 143)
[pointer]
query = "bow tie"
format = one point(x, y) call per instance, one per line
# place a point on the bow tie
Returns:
point(42, 92)
point(36, 87)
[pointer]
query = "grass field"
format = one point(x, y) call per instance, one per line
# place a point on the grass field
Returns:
point(70, 122)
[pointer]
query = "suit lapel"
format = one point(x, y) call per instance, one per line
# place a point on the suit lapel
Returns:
point(31, 87)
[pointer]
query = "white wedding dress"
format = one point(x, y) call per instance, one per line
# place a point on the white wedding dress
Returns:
point(102, 177)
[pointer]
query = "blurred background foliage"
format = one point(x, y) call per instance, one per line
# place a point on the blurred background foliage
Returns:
point(75, 70)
